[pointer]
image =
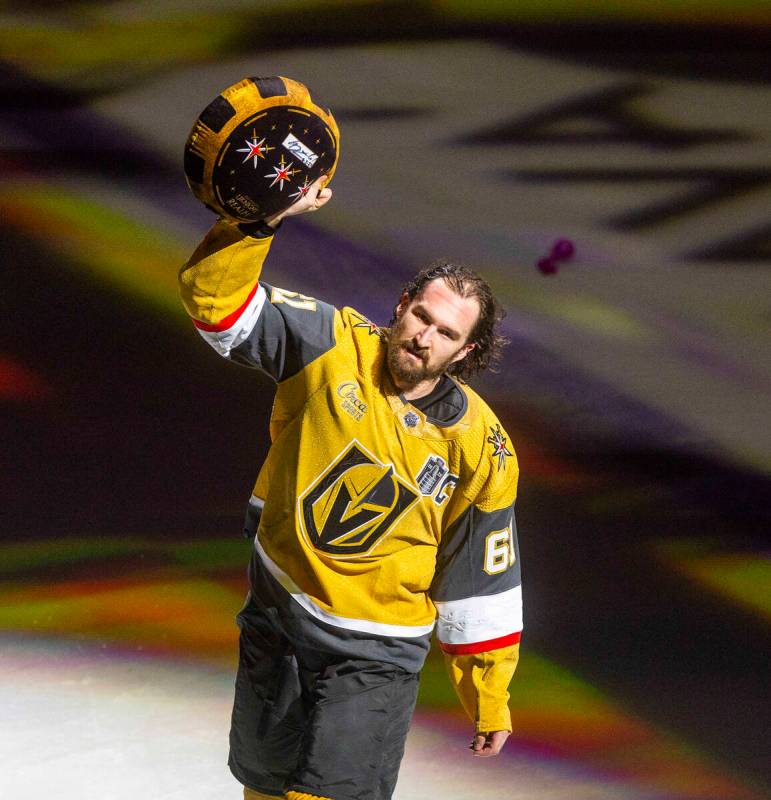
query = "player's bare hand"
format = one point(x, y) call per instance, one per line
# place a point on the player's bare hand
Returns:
point(489, 744)
point(315, 198)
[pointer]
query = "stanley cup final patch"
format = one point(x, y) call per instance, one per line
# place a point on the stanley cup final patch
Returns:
point(435, 479)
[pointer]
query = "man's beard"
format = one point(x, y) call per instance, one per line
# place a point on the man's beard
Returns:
point(405, 371)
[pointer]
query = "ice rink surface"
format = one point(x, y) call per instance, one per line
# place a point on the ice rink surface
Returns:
point(82, 721)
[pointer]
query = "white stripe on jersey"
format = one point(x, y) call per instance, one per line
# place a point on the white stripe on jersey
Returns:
point(361, 625)
point(224, 341)
point(479, 619)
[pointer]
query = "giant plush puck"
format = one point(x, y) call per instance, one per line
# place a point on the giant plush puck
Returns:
point(258, 147)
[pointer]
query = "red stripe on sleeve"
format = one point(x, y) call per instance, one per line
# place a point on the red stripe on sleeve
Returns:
point(481, 647)
point(231, 319)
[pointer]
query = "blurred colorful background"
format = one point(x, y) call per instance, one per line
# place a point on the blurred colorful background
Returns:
point(636, 388)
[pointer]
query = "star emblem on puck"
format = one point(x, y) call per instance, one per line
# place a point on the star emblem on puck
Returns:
point(281, 172)
point(301, 190)
point(254, 149)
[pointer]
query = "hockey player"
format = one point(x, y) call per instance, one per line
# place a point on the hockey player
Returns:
point(385, 508)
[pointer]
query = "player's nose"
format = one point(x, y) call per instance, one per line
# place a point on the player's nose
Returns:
point(423, 336)
point(421, 340)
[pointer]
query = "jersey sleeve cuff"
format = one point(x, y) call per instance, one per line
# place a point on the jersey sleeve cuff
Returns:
point(259, 229)
point(498, 719)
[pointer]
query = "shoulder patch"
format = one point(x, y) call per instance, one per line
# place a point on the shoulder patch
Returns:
point(363, 322)
point(499, 449)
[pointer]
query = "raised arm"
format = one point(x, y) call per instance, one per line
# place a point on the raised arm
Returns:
point(239, 315)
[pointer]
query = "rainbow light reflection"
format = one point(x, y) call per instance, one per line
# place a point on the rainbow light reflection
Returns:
point(177, 599)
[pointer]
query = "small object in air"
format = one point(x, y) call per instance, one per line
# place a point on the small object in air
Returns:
point(547, 266)
point(561, 250)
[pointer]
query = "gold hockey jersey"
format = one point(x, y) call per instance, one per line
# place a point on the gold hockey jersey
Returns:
point(379, 521)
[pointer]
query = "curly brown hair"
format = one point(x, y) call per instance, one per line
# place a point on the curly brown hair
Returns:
point(489, 344)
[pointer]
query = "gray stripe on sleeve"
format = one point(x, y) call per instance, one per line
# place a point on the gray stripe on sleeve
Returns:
point(460, 563)
point(290, 333)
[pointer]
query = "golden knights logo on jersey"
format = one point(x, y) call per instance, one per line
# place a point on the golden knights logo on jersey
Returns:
point(353, 504)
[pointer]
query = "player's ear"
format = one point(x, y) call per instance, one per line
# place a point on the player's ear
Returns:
point(404, 301)
point(464, 351)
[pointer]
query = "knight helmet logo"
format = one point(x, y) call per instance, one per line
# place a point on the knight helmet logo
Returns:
point(354, 504)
